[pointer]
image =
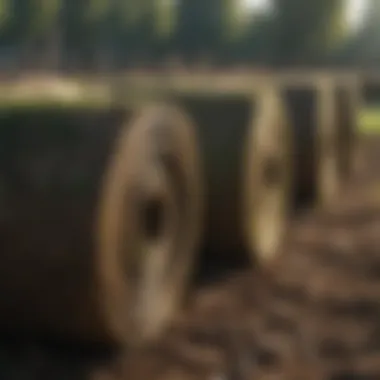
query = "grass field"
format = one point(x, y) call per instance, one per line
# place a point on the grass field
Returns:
point(369, 120)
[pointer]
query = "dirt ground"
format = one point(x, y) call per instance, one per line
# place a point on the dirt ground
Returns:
point(314, 315)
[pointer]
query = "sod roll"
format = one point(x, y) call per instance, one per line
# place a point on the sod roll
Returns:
point(246, 155)
point(100, 217)
point(370, 87)
point(311, 103)
point(349, 101)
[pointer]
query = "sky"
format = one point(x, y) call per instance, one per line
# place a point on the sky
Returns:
point(356, 9)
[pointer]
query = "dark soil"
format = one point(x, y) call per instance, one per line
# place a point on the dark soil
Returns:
point(314, 315)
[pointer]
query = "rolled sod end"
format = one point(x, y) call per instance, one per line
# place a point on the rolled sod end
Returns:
point(150, 220)
point(101, 217)
point(268, 177)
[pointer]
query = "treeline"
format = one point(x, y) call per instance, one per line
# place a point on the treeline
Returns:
point(109, 34)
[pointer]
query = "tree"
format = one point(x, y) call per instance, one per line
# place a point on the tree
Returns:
point(366, 48)
point(206, 27)
point(32, 26)
point(305, 32)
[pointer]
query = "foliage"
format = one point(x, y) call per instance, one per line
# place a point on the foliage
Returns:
point(136, 31)
point(306, 31)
